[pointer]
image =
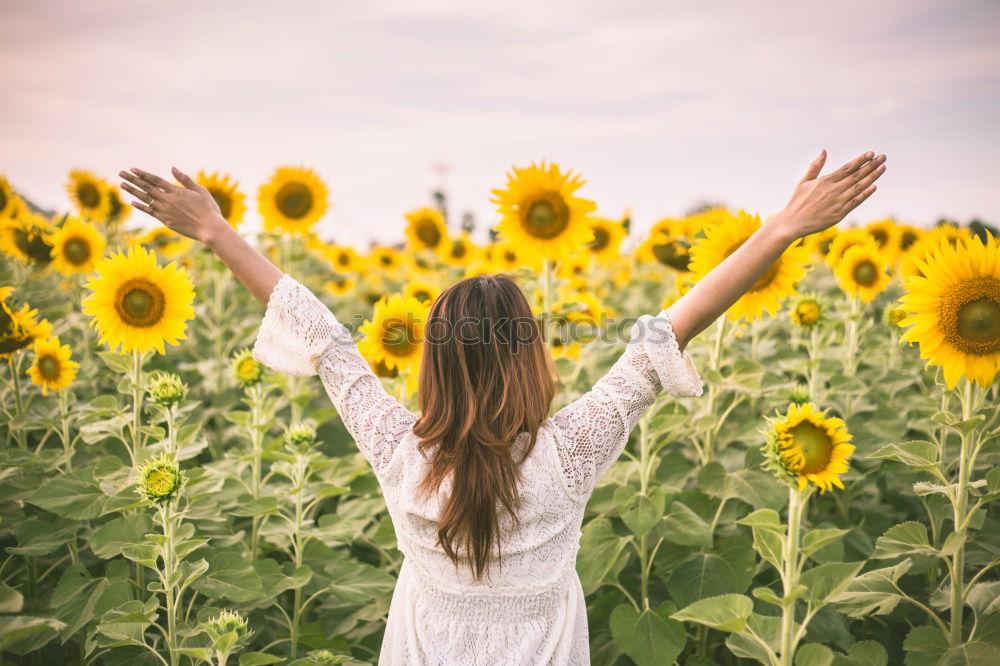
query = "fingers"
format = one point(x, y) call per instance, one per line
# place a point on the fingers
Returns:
point(865, 177)
point(154, 180)
point(817, 165)
point(147, 189)
point(852, 166)
point(143, 207)
point(137, 193)
point(184, 179)
point(856, 200)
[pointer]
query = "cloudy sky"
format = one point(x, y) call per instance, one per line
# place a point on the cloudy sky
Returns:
point(659, 105)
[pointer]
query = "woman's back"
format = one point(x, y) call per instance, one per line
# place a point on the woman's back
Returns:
point(528, 607)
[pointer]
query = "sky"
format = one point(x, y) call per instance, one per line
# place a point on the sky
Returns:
point(658, 105)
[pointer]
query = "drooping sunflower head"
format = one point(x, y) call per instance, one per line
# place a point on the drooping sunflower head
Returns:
point(425, 229)
point(541, 213)
point(293, 200)
point(246, 370)
point(137, 304)
point(721, 240)
point(608, 236)
point(52, 368)
point(805, 446)
point(395, 334)
point(661, 248)
point(89, 194)
point(424, 292)
point(160, 479)
point(862, 271)
point(954, 310)
point(76, 247)
point(166, 242)
point(166, 388)
point(227, 195)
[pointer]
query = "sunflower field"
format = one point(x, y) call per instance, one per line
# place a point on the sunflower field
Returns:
point(165, 499)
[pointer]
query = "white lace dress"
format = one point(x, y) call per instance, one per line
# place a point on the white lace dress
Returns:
point(529, 608)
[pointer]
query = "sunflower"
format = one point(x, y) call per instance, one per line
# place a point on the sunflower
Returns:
point(395, 334)
point(340, 284)
point(541, 214)
point(459, 251)
point(426, 229)
point(670, 226)
point(231, 202)
point(894, 315)
point(76, 247)
point(89, 194)
point(843, 240)
point(19, 328)
point(246, 369)
point(506, 257)
point(807, 311)
point(342, 258)
point(862, 272)
point(385, 259)
point(954, 310)
point(26, 237)
point(52, 368)
point(804, 445)
point(118, 210)
point(608, 236)
point(8, 200)
point(410, 379)
point(167, 242)
point(721, 240)
point(666, 250)
point(885, 233)
point(583, 312)
point(576, 269)
point(422, 291)
point(908, 235)
point(160, 479)
point(137, 303)
point(293, 200)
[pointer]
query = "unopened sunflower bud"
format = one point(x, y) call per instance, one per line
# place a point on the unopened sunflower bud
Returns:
point(301, 434)
point(166, 388)
point(226, 622)
point(895, 314)
point(321, 657)
point(160, 479)
point(799, 393)
point(247, 371)
point(807, 313)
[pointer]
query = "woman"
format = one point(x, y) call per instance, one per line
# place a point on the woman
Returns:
point(485, 491)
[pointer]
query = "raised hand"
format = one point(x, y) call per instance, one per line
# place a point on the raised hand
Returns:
point(820, 202)
point(188, 209)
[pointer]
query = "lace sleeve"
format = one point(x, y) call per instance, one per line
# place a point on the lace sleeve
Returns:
point(300, 336)
point(593, 430)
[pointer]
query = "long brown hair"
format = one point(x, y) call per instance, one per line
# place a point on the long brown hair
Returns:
point(485, 378)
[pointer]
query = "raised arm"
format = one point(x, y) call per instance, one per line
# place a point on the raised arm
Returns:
point(191, 211)
point(816, 203)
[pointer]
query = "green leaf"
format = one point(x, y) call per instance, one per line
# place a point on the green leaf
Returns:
point(640, 512)
point(756, 489)
point(144, 554)
point(38, 537)
point(909, 538)
point(685, 527)
point(864, 653)
point(231, 577)
point(765, 519)
point(915, 453)
point(712, 479)
point(829, 580)
point(11, 600)
point(71, 496)
point(816, 539)
point(200, 653)
point(768, 534)
point(22, 634)
point(647, 637)
point(258, 659)
point(925, 646)
point(728, 570)
point(767, 595)
point(109, 539)
point(600, 550)
point(873, 592)
point(728, 612)
point(357, 583)
point(767, 628)
point(813, 654)
point(120, 364)
point(993, 481)
point(126, 624)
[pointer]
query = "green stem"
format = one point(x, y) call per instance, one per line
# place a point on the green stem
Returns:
point(813, 363)
point(15, 370)
point(256, 444)
point(960, 506)
point(136, 406)
point(547, 301)
point(850, 360)
point(169, 567)
point(790, 575)
point(64, 432)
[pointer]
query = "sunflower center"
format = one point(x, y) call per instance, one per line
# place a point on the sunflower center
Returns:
point(865, 273)
point(77, 251)
point(140, 303)
point(907, 239)
point(294, 200)
point(382, 370)
point(808, 312)
point(343, 259)
point(3, 199)
point(422, 295)
point(88, 194)
point(510, 256)
point(398, 339)
point(970, 316)
point(224, 201)
point(116, 204)
point(48, 367)
point(824, 246)
point(457, 250)
point(816, 447)
point(34, 246)
point(547, 216)
point(387, 260)
point(672, 254)
point(880, 236)
point(601, 239)
point(247, 368)
point(428, 233)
